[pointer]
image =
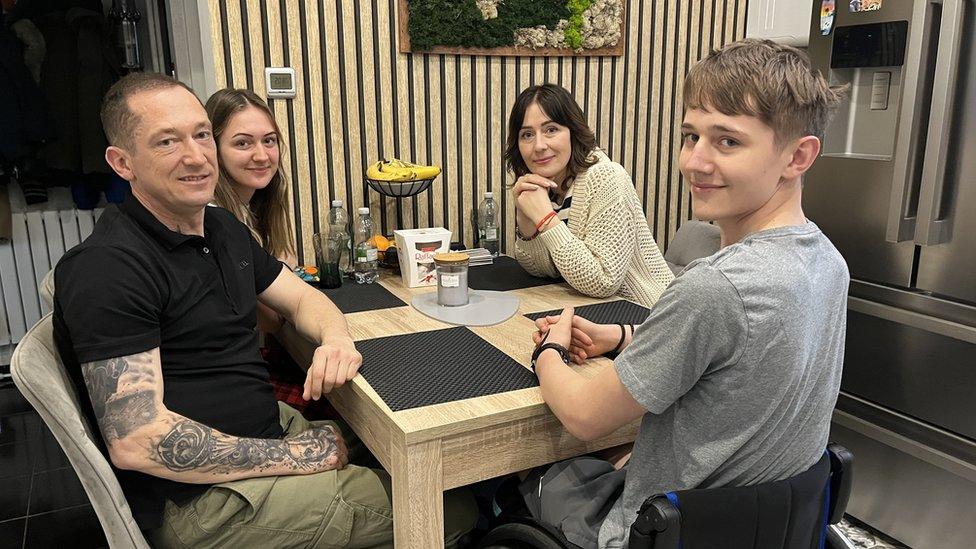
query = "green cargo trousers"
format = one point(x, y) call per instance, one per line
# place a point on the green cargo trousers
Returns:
point(350, 507)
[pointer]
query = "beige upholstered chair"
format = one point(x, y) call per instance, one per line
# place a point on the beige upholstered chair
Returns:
point(694, 240)
point(39, 374)
point(46, 289)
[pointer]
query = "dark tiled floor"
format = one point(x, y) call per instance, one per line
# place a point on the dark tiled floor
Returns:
point(12, 532)
point(75, 527)
point(42, 502)
point(11, 401)
point(14, 497)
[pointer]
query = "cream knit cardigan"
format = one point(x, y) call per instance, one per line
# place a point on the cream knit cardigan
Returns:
point(607, 248)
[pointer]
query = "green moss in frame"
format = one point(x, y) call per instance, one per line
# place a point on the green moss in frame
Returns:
point(460, 22)
point(574, 32)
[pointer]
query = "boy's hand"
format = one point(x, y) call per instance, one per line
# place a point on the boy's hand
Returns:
point(561, 331)
point(588, 339)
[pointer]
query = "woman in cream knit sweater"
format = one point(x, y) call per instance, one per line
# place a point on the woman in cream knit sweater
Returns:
point(578, 215)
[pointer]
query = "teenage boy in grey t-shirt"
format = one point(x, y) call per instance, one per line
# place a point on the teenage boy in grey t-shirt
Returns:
point(736, 370)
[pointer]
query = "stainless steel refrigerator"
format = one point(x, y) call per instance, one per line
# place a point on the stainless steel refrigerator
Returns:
point(895, 190)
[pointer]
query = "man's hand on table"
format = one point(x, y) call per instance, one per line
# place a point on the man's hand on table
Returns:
point(587, 339)
point(334, 362)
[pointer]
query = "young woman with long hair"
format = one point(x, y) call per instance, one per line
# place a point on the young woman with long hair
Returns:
point(254, 188)
point(251, 185)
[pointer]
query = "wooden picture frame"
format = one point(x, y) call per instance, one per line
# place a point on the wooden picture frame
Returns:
point(403, 10)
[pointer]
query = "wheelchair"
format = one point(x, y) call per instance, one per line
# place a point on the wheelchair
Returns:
point(795, 513)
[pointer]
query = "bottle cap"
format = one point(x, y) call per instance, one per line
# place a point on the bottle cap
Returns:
point(336, 203)
point(489, 194)
point(363, 211)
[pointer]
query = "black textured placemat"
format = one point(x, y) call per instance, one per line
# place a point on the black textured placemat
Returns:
point(504, 274)
point(354, 298)
point(424, 368)
point(611, 312)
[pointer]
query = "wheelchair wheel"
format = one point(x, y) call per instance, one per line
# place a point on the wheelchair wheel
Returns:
point(516, 535)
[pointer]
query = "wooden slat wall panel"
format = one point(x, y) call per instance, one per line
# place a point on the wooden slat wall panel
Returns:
point(252, 36)
point(359, 100)
point(402, 109)
point(315, 104)
point(235, 50)
point(217, 24)
point(448, 116)
point(657, 86)
point(507, 204)
point(382, 86)
point(639, 34)
point(336, 141)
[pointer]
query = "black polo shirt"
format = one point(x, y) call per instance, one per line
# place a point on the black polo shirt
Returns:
point(135, 285)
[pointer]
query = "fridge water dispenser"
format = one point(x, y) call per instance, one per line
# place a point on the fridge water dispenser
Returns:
point(869, 58)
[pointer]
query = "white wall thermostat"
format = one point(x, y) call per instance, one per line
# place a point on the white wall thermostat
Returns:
point(280, 82)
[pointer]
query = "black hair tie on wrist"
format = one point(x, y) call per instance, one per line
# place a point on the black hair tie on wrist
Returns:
point(623, 336)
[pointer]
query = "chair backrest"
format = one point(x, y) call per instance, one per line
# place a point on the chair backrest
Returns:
point(790, 513)
point(41, 377)
point(694, 239)
point(46, 289)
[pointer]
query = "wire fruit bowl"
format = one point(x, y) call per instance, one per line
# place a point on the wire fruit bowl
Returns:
point(399, 189)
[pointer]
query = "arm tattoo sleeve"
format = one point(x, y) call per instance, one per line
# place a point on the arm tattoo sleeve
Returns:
point(124, 394)
point(120, 412)
point(191, 446)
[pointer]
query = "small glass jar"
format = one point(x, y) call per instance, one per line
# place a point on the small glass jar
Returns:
point(452, 279)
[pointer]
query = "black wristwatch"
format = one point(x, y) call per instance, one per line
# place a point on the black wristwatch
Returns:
point(563, 353)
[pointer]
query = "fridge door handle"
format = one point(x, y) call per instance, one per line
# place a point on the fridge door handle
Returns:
point(903, 203)
point(932, 228)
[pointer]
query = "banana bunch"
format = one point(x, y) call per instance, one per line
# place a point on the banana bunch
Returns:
point(398, 170)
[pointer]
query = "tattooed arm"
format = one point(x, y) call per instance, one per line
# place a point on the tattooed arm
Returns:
point(142, 435)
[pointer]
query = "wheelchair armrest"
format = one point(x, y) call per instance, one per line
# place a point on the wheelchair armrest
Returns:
point(658, 525)
point(841, 480)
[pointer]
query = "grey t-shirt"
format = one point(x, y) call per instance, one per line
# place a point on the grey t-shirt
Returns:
point(738, 366)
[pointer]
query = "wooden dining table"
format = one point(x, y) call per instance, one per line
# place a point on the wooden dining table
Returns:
point(430, 449)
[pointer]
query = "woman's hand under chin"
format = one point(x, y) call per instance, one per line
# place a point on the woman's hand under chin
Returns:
point(531, 182)
point(534, 204)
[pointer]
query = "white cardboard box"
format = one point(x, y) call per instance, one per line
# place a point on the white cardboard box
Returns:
point(416, 249)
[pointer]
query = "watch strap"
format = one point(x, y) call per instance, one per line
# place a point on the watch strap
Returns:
point(563, 353)
point(623, 336)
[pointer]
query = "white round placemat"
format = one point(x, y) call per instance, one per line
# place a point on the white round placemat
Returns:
point(484, 308)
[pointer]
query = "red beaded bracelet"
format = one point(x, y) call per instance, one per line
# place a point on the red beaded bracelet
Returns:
point(538, 228)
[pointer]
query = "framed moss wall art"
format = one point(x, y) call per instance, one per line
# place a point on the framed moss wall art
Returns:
point(513, 27)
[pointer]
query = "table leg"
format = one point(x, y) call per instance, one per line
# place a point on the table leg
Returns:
point(418, 496)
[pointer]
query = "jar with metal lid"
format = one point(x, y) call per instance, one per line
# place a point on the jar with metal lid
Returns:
point(452, 279)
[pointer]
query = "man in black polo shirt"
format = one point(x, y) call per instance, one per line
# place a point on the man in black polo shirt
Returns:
point(154, 317)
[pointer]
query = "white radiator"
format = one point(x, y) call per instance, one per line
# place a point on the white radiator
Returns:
point(39, 240)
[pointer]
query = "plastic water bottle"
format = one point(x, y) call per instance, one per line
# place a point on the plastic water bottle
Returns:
point(339, 242)
point(488, 224)
point(365, 249)
point(338, 219)
point(339, 231)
